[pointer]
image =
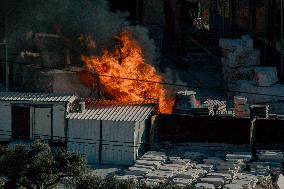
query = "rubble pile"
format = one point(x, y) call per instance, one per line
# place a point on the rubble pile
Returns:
point(197, 170)
point(245, 77)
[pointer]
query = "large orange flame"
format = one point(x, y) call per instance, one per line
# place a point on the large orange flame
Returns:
point(127, 61)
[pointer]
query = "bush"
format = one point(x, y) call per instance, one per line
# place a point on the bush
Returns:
point(39, 167)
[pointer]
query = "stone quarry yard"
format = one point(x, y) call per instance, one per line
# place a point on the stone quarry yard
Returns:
point(232, 168)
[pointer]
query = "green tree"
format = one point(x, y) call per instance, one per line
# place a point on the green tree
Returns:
point(39, 167)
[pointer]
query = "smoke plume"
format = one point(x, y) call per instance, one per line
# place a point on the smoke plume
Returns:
point(70, 19)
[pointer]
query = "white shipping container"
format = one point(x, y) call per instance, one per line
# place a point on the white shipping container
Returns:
point(5, 121)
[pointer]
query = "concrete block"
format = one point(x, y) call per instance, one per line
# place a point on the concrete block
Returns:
point(153, 158)
point(230, 43)
point(256, 94)
point(226, 177)
point(266, 76)
point(239, 155)
point(129, 177)
point(236, 161)
point(233, 186)
point(204, 186)
point(172, 167)
point(192, 174)
point(154, 182)
point(239, 73)
point(242, 58)
point(247, 42)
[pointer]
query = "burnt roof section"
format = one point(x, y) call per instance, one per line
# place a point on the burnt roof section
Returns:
point(114, 111)
point(36, 97)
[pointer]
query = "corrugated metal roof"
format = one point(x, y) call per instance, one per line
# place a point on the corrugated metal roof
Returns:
point(36, 97)
point(114, 111)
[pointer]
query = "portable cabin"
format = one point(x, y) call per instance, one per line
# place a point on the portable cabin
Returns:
point(109, 132)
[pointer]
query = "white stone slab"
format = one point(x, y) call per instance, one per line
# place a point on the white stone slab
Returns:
point(217, 182)
point(204, 186)
point(172, 167)
point(226, 177)
point(182, 181)
point(233, 186)
point(158, 174)
point(191, 174)
point(239, 155)
point(129, 177)
point(148, 163)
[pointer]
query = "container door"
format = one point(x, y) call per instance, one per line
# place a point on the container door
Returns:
point(20, 123)
point(5, 121)
point(42, 126)
point(83, 137)
point(117, 143)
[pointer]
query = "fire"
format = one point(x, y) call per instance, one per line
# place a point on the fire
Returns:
point(127, 61)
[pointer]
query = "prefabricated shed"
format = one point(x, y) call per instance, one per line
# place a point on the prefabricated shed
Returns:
point(30, 116)
point(110, 132)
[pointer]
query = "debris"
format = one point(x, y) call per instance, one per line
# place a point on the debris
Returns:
point(260, 111)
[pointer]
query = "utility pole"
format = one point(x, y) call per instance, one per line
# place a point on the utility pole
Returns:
point(6, 66)
point(252, 16)
point(281, 53)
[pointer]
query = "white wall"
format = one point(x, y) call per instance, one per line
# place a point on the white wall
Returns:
point(83, 137)
point(117, 145)
point(5, 121)
point(42, 123)
point(121, 152)
point(59, 121)
point(40, 119)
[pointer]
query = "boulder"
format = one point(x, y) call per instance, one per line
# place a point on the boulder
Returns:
point(266, 76)
point(230, 43)
point(241, 58)
point(247, 42)
point(240, 73)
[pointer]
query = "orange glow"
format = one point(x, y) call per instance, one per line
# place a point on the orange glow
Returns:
point(127, 61)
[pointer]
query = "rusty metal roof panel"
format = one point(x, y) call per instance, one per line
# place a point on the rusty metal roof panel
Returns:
point(114, 111)
point(36, 97)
